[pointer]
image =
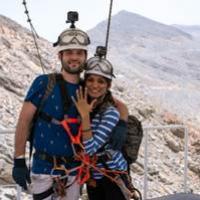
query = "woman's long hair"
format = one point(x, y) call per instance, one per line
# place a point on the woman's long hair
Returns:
point(104, 101)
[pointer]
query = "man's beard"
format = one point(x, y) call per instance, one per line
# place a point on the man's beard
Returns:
point(72, 70)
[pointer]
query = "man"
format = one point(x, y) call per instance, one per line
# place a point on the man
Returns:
point(51, 142)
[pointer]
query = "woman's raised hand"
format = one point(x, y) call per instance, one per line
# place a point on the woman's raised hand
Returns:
point(82, 105)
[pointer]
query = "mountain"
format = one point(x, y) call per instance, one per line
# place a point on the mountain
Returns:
point(164, 59)
point(153, 63)
point(192, 30)
point(18, 65)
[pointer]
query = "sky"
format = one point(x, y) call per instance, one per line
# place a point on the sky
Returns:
point(49, 16)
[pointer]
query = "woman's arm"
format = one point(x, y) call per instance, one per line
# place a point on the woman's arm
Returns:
point(103, 128)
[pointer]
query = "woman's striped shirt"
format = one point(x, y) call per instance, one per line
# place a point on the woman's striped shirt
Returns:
point(102, 126)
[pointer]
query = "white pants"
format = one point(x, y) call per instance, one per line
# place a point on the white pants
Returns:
point(42, 182)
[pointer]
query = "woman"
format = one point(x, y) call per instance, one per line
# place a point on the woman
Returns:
point(99, 116)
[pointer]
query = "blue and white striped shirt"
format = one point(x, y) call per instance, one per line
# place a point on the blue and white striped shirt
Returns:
point(102, 126)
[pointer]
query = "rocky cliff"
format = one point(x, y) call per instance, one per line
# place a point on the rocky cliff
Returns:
point(19, 65)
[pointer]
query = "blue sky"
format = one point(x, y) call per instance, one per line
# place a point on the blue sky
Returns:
point(49, 16)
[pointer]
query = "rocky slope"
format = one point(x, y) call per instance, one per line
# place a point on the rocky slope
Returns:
point(162, 59)
point(139, 43)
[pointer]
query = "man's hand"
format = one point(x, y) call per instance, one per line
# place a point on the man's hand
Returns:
point(20, 173)
point(123, 110)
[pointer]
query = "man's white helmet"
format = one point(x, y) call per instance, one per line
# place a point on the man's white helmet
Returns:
point(72, 38)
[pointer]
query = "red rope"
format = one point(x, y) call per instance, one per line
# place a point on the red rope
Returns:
point(87, 161)
point(75, 139)
point(91, 163)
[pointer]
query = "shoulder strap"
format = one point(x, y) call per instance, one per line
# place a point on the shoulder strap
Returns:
point(66, 100)
point(50, 85)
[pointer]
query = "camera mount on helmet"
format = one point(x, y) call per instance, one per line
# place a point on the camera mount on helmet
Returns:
point(99, 65)
point(72, 38)
point(72, 17)
point(101, 51)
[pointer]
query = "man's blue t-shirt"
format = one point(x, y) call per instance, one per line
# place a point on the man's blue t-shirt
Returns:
point(49, 137)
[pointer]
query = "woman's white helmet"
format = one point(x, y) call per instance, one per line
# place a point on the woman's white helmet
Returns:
point(99, 65)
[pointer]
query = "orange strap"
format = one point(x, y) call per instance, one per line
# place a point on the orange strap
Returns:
point(75, 139)
point(84, 172)
point(90, 162)
point(84, 169)
point(87, 161)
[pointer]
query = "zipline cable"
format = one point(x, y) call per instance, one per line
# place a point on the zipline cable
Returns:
point(34, 34)
point(108, 25)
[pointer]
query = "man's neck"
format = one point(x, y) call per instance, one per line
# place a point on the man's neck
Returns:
point(71, 78)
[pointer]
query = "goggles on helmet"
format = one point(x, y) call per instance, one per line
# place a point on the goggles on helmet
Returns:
point(73, 37)
point(99, 66)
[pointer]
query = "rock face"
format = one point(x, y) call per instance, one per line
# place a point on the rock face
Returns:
point(156, 68)
point(163, 61)
point(19, 64)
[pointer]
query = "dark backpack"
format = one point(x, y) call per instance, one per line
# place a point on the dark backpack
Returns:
point(133, 140)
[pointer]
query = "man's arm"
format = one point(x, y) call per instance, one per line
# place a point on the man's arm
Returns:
point(118, 136)
point(122, 108)
point(23, 128)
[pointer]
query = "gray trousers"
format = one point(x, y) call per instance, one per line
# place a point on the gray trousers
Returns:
point(42, 182)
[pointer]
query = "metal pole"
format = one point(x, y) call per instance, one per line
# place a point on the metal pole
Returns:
point(164, 127)
point(19, 191)
point(146, 154)
point(185, 158)
point(145, 164)
point(4, 132)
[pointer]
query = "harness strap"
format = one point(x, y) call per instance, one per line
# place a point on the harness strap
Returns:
point(84, 172)
point(103, 158)
point(44, 194)
point(48, 118)
point(75, 139)
point(66, 100)
point(59, 186)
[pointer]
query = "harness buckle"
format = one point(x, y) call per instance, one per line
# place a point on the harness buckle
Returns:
point(55, 121)
point(63, 159)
